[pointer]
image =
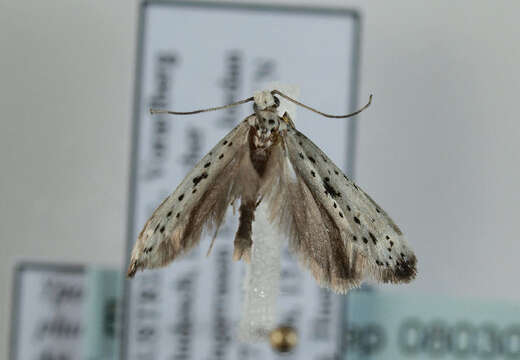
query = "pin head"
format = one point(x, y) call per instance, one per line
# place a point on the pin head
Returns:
point(283, 339)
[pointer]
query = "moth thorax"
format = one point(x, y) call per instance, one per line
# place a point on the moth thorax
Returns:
point(265, 128)
point(267, 121)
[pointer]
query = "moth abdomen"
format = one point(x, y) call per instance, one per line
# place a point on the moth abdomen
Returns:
point(243, 237)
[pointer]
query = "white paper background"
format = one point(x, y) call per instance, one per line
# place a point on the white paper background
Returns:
point(191, 308)
point(49, 317)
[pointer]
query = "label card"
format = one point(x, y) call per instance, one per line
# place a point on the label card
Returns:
point(193, 56)
point(400, 326)
point(48, 303)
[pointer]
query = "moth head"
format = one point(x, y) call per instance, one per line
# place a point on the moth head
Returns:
point(265, 100)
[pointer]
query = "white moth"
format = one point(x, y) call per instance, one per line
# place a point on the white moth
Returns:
point(335, 229)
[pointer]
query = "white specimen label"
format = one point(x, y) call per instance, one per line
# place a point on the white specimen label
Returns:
point(48, 318)
point(194, 57)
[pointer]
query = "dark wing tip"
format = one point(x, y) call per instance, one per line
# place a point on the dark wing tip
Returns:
point(132, 269)
point(406, 269)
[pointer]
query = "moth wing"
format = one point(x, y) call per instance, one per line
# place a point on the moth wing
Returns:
point(199, 202)
point(337, 230)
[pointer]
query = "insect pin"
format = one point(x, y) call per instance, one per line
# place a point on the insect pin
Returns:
point(333, 227)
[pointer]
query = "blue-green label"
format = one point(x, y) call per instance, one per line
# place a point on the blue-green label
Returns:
point(400, 326)
point(102, 309)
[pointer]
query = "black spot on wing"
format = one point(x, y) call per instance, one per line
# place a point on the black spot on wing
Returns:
point(329, 189)
point(199, 178)
point(374, 240)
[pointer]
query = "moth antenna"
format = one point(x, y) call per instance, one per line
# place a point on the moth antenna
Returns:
point(158, 111)
point(276, 92)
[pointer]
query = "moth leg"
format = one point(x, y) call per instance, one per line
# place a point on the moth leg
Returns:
point(288, 119)
point(243, 240)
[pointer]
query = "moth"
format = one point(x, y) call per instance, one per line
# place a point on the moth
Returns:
point(333, 227)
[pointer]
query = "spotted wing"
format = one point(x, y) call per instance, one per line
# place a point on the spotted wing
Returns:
point(199, 202)
point(336, 229)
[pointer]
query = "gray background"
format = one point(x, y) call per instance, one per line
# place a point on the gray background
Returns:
point(437, 149)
